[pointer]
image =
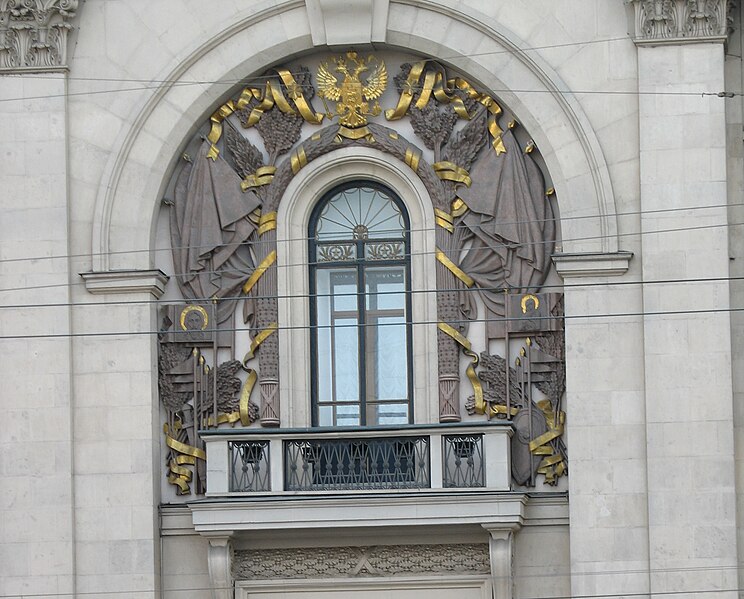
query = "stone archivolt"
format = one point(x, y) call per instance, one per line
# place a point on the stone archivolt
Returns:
point(33, 33)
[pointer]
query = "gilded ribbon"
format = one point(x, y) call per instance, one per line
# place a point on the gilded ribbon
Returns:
point(183, 447)
point(263, 176)
point(444, 220)
point(496, 410)
point(295, 94)
point(267, 97)
point(406, 95)
point(552, 465)
point(187, 455)
point(444, 92)
point(354, 134)
point(494, 111)
point(259, 339)
point(267, 222)
point(298, 159)
point(459, 207)
point(412, 158)
point(181, 482)
point(449, 171)
point(215, 132)
point(245, 396)
point(260, 270)
point(480, 403)
point(433, 84)
point(231, 418)
point(454, 269)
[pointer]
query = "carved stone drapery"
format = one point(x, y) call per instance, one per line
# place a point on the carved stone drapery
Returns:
point(680, 21)
point(33, 34)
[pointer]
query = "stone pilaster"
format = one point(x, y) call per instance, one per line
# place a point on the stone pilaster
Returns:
point(605, 404)
point(686, 324)
point(36, 440)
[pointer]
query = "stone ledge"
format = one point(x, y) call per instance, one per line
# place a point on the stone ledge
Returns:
point(592, 264)
point(126, 281)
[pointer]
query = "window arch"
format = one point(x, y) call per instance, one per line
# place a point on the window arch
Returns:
point(360, 307)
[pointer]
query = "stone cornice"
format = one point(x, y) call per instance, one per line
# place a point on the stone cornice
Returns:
point(592, 264)
point(126, 281)
point(656, 22)
point(33, 34)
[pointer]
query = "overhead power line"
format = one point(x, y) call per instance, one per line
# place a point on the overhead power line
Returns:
point(423, 253)
point(546, 288)
point(416, 323)
point(558, 220)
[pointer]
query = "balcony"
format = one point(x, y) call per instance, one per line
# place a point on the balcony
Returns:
point(304, 480)
point(260, 462)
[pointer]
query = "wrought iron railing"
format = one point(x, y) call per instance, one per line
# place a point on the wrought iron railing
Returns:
point(250, 467)
point(463, 461)
point(357, 463)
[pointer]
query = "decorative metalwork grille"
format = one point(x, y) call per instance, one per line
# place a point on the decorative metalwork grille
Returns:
point(339, 464)
point(360, 212)
point(463, 461)
point(385, 250)
point(336, 252)
point(249, 465)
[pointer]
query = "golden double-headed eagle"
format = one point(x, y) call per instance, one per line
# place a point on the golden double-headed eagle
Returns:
point(353, 96)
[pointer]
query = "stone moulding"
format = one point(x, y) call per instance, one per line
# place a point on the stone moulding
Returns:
point(33, 34)
point(592, 264)
point(658, 22)
point(126, 281)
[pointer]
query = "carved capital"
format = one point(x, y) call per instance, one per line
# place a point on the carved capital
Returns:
point(33, 34)
point(219, 560)
point(657, 22)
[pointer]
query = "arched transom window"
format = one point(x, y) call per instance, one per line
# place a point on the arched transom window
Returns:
point(360, 302)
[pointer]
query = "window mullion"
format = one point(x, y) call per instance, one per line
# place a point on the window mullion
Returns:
point(362, 319)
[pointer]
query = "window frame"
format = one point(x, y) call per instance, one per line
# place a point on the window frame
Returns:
point(359, 264)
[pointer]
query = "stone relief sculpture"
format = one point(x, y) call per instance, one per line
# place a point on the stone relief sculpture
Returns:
point(495, 233)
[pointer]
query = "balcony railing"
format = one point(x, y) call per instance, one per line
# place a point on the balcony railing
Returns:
point(347, 464)
point(290, 461)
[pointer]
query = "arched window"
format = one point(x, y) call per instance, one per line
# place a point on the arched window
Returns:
point(360, 307)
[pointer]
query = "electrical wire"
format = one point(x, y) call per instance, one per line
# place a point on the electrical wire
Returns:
point(545, 288)
point(429, 253)
point(463, 321)
point(560, 220)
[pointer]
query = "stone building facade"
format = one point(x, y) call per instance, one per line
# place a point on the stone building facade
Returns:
point(304, 298)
